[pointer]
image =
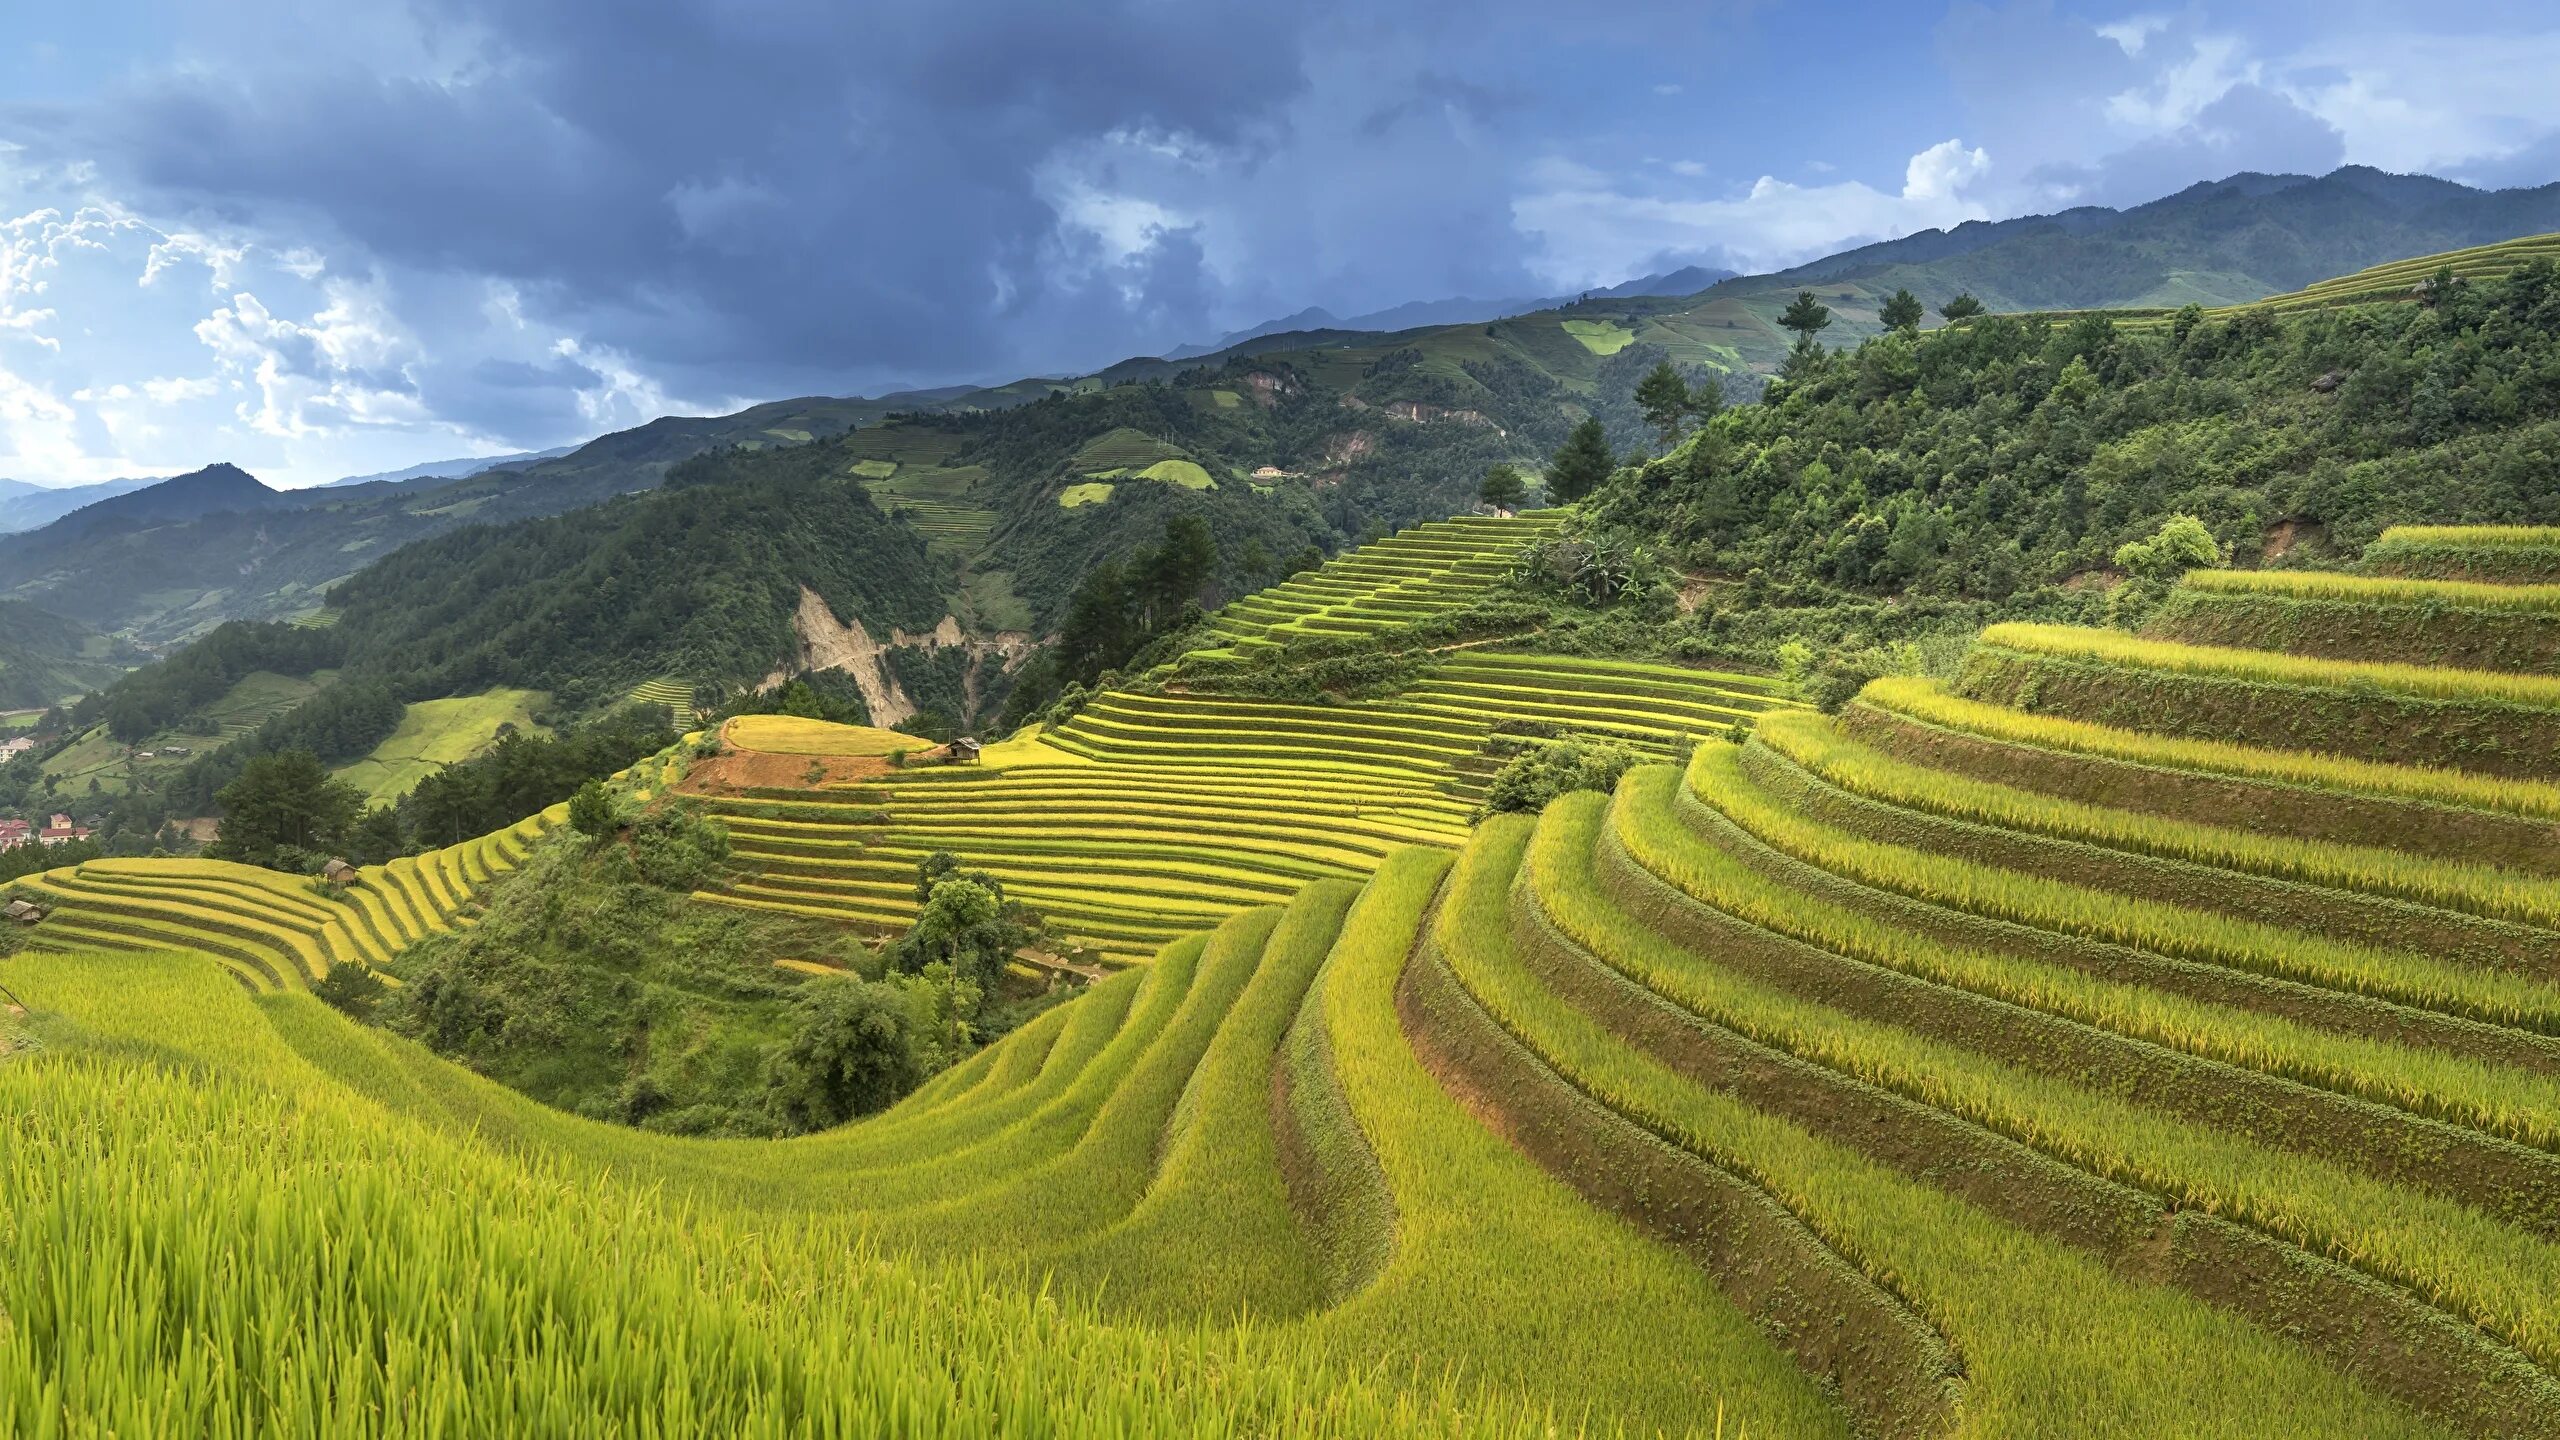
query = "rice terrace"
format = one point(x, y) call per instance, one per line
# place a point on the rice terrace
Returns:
point(1791, 835)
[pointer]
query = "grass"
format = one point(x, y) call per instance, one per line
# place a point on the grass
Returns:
point(1479, 1230)
point(1122, 826)
point(2165, 928)
point(1091, 492)
point(673, 692)
point(1185, 473)
point(2115, 648)
point(792, 735)
point(2378, 589)
point(252, 700)
point(1123, 449)
point(2025, 1307)
point(1931, 703)
point(2490, 1272)
point(433, 734)
point(1810, 741)
point(1600, 337)
point(272, 931)
point(473, 1271)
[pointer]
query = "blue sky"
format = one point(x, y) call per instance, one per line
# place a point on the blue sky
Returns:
point(328, 238)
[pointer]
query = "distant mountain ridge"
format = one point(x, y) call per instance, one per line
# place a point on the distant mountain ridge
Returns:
point(1508, 381)
point(218, 488)
point(461, 469)
point(26, 507)
point(1458, 310)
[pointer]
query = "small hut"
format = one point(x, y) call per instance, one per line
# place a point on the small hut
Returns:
point(24, 912)
point(338, 874)
point(963, 751)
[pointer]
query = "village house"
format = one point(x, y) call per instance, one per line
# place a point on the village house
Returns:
point(12, 749)
point(14, 833)
point(60, 831)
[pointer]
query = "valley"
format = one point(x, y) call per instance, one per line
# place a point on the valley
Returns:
point(1615, 871)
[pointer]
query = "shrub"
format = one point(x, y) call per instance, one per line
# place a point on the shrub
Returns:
point(591, 811)
point(677, 847)
point(1532, 779)
point(856, 1050)
point(351, 986)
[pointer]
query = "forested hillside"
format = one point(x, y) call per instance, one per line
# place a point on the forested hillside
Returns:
point(702, 578)
point(1392, 424)
point(45, 658)
point(2004, 455)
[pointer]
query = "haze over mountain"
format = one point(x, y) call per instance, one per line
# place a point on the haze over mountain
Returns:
point(451, 469)
point(227, 546)
point(25, 506)
point(1457, 310)
point(228, 269)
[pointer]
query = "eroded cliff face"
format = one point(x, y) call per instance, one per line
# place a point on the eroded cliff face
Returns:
point(827, 643)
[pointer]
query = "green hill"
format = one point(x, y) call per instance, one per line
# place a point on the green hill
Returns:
point(46, 659)
point(1403, 424)
point(1859, 1079)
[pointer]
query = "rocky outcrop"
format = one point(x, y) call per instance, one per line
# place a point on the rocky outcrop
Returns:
point(827, 643)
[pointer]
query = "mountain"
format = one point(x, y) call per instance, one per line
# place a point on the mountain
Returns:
point(216, 489)
point(1687, 280)
point(1369, 427)
point(1457, 310)
point(450, 469)
point(228, 548)
point(25, 507)
point(45, 659)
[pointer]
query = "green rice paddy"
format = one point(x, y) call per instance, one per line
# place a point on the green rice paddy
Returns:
point(436, 733)
point(1974, 1063)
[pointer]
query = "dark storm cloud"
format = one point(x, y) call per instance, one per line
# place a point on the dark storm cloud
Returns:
point(2248, 128)
point(799, 187)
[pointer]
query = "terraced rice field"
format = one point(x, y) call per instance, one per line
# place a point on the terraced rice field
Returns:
point(1409, 576)
point(2062, 1023)
point(937, 503)
point(1970, 1064)
point(435, 733)
point(673, 692)
point(1148, 816)
point(1104, 1226)
point(269, 930)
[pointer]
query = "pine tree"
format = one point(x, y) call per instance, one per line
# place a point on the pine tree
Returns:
point(1902, 312)
point(1806, 316)
point(1578, 468)
point(1664, 398)
point(1963, 307)
point(1503, 489)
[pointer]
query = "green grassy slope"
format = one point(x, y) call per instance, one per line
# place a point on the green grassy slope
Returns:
point(1156, 812)
point(437, 733)
point(1990, 1060)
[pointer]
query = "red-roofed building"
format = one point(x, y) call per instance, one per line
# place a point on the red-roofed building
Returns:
point(14, 833)
point(60, 831)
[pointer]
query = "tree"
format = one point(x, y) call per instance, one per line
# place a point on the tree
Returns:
point(1902, 312)
point(1096, 632)
point(1664, 398)
point(2182, 543)
point(1532, 779)
point(1706, 398)
point(855, 1051)
point(283, 803)
point(352, 987)
point(1503, 489)
point(1584, 461)
point(1806, 316)
point(591, 811)
point(1963, 307)
point(1168, 575)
